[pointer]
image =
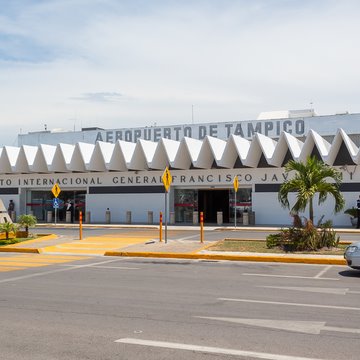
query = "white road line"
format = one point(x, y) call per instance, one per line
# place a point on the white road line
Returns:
point(334, 291)
point(290, 276)
point(75, 267)
point(292, 304)
point(103, 267)
point(210, 350)
point(322, 272)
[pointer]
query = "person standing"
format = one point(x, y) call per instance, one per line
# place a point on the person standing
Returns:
point(11, 207)
point(358, 212)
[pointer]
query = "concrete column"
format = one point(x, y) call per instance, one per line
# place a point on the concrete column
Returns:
point(49, 216)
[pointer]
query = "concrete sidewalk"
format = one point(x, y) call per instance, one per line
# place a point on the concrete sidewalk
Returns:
point(179, 249)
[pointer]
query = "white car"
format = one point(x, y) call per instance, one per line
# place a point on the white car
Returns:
point(352, 255)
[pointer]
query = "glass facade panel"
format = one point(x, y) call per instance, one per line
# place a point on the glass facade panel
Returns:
point(40, 202)
point(186, 202)
point(243, 203)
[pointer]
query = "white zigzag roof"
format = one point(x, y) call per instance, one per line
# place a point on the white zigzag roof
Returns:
point(188, 153)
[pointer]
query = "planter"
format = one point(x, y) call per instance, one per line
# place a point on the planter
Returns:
point(22, 234)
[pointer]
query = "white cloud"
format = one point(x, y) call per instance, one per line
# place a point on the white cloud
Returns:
point(232, 59)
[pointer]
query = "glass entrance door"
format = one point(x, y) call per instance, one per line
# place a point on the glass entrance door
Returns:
point(40, 202)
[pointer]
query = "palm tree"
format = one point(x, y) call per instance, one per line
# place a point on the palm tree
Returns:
point(26, 221)
point(310, 178)
point(7, 228)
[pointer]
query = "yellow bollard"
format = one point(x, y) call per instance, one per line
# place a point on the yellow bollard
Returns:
point(80, 225)
point(201, 227)
point(160, 234)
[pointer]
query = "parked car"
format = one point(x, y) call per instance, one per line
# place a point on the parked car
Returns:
point(352, 255)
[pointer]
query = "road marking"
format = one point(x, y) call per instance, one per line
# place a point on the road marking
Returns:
point(75, 267)
point(292, 304)
point(306, 327)
point(104, 267)
point(290, 276)
point(209, 349)
point(333, 291)
point(323, 271)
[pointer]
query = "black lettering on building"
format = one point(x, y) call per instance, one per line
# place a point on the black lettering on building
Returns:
point(137, 135)
point(167, 133)
point(202, 132)
point(238, 130)
point(299, 127)
point(99, 137)
point(213, 130)
point(109, 136)
point(252, 130)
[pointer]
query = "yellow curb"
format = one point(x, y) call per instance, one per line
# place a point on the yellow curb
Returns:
point(258, 258)
point(205, 247)
point(20, 250)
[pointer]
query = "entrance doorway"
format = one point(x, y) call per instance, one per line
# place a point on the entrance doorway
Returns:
point(40, 202)
point(212, 201)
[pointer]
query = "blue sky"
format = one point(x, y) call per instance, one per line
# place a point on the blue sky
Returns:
point(112, 63)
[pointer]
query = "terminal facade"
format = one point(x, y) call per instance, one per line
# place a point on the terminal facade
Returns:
point(119, 170)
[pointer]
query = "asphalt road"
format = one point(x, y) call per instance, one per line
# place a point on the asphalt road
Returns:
point(116, 308)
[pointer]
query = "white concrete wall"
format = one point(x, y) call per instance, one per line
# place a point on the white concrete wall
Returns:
point(269, 211)
point(119, 204)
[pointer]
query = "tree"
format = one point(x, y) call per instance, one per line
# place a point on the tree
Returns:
point(7, 227)
point(26, 221)
point(311, 178)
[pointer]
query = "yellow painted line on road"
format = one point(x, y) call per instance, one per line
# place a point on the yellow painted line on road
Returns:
point(6, 269)
point(97, 245)
point(21, 262)
point(37, 240)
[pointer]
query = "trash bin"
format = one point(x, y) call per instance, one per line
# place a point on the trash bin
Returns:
point(128, 217)
point(219, 217)
point(49, 216)
point(150, 217)
point(245, 218)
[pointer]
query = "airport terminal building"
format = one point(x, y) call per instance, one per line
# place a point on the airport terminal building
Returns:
point(120, 170)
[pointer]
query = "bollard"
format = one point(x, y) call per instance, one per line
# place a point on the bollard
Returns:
point(150, 217)
point(245, 218)
point(128, 217)
point(195, 217)
point(172, 218)
point(160, 229)
point(88, 217)
point(80, 225)
point(68, 217)
point(201, 227)
point(49, 216)
point(107, 216)
point(219, 217)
